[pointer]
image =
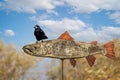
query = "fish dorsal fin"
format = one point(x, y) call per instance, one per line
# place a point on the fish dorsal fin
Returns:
point(93, 42)
point(65, 36)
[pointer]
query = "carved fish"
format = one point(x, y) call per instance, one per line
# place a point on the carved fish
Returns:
point(66, 48)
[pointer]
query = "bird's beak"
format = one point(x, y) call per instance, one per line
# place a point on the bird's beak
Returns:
point(35, 27)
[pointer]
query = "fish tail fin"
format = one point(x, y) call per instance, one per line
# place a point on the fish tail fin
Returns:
point(110, 50)
point(91, 60)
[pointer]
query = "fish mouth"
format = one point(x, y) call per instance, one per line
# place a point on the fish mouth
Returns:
point(27, 50)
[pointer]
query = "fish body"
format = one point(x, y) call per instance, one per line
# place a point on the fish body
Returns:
point(63, 49)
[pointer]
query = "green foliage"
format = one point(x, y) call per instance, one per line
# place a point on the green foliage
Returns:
point(103, 69)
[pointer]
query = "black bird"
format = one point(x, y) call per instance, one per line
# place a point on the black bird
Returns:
point(39, 33)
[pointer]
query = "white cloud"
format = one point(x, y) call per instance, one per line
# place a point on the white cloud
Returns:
point(52, 12)
point(30, 6)
point(88, 34)
point(80, 30)
point(39, 17)
point(57, 2)
point(88, 6)
point(109, 32)
point(79, 6)
point(9, 32)
point(115, 16)
point(64, 24)
point(105, 34)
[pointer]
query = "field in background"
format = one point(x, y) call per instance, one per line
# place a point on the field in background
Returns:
point(14, 66)
point(103, 69)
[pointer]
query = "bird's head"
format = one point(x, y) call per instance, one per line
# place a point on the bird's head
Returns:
point(37, 27)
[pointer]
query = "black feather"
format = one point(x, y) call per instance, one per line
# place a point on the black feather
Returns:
point(39, 33)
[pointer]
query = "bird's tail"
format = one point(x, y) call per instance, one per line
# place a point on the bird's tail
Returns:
point(110, 50)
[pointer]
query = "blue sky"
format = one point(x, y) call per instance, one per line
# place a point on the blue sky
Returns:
point(86, 20)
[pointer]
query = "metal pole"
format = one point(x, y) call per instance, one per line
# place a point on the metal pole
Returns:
point(62, 68)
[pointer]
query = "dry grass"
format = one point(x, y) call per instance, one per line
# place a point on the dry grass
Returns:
point(103, 69)
point(14, 66)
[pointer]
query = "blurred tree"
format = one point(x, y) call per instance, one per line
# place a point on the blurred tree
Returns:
point(103, 69)
point(14, 65)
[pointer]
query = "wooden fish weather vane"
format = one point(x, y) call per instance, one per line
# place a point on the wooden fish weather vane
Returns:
point(66, 48)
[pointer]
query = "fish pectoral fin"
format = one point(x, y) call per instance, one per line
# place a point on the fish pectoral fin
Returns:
point(65, 36)
point(90, 59)
point(73, 62)
point(110, 50)
point(93, 42)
